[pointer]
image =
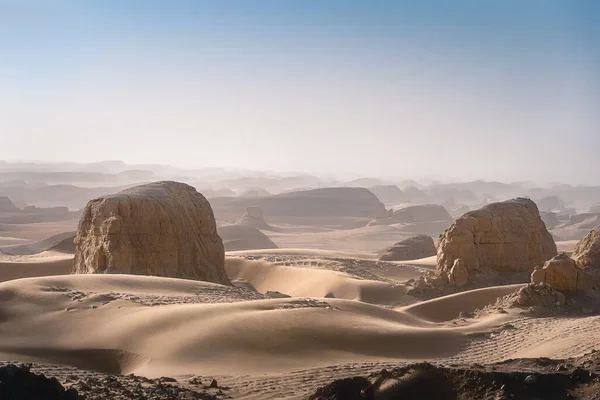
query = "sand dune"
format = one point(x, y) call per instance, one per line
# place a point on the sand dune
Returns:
point(300, 282)
point(106, 319)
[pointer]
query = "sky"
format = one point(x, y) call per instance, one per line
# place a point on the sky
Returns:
point(498, 90)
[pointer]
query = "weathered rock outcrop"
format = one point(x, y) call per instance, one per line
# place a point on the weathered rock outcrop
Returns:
point(561, 273)
point(587, 250)
point(162, 228)
point(254, 218)
point(419, 246)
point(505, 237)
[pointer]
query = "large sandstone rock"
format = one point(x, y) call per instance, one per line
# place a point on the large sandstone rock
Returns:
point(561, 273)
point(419, 246)
point(162, 228)
point(506, 236)
point(587, 250)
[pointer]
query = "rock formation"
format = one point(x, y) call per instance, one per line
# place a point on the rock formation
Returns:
point(254, 218)
point(505, 237)
point(415, 247)
point(388, 193)
point(587, 250)
point(7, 206)
point(323, 202)
point(422, 213)
point(415, 214)
point(243, 237)
point(163, 228)
point(561, 273)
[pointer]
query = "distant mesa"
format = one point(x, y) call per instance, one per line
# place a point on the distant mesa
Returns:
point(254, 218)
point(7, 206)
point(323, 202)
point(66, 246)
point(595, 209)
point(224, 192)
point(255, 192)
point(163, 228)
point(414, 214)
point(550, 203)
point(388, 193)
point(415, 195)
point(244, 237)
point(415, 247)
point(550, 219)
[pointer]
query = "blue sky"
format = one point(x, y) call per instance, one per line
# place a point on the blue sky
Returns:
point(463, 89)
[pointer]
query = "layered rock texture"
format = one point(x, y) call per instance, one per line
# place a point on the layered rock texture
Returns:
point(419, 246)
point(163, 228)
point(505, 237)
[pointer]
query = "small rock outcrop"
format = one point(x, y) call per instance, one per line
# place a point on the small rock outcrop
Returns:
point(419, 246)
point(254, 217)
point(587, 250)
point(162, 229)
point(561, 273)
point(505, 237)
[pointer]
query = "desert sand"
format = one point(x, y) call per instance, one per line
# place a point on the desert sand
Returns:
point(317, 308)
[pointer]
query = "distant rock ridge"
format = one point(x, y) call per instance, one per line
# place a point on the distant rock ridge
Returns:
point(415, 247)
point(415, 214)
point(6, 205)
point(243, 237)
point(254, 218)
point(162, 228)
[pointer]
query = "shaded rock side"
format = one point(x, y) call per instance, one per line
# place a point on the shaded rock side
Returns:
point(162, 229)
point(419, 246)
point(506, 237)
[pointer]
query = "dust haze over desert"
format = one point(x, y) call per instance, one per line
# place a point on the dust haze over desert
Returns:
point(299, 200)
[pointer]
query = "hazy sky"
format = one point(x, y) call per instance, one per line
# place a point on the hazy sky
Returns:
point(506, 90)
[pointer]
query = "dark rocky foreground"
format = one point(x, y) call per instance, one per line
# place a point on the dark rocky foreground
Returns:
point(18, 382)
point(526, 379)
